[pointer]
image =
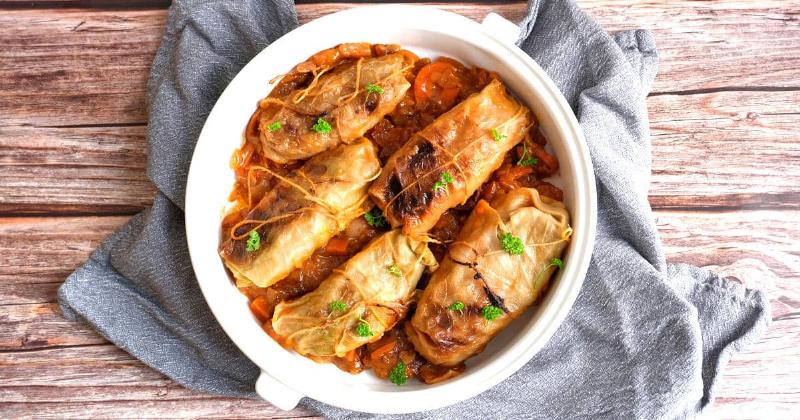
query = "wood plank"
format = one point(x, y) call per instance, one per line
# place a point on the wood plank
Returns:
point(723, 149)
point(220, 408)
point(758, 247)
point(703, 45)
point(56, 169)
point(88, 381)
point(120, 4)
point(95, 365)
point(36, 254)
point(74, 170)
point(41, 325)
point(46, 250)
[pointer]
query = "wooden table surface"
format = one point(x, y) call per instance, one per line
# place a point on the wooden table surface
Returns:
point(724, 114)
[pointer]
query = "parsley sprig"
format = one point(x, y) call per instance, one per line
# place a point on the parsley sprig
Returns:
point(511, 244)
point(375, 218)
point(497, 136)
point(444, 179)
point(456, 306)
point(253, 242)
point(338, 306)
point(322, 126)
point(363, 329)
point(526, 161)
point(398, 374)
point(274, 126)
point(491, 312)
point(555, 262)
point(372, 88)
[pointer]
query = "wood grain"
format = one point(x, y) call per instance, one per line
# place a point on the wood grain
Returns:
point(90, 170)
point(723, 115)
point(46, 250)
point(52, 161)
point(725, 149)
point(757, 247)
point(709, 151)
point(104, 381)
point(703, 45)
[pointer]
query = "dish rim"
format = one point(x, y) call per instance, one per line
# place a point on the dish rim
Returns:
point(456, 390)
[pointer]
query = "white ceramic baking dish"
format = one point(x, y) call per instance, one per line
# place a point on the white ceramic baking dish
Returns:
point(287, 377)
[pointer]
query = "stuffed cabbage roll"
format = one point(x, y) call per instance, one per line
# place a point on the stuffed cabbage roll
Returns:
point(498, 266)
point(363, 299)
point(338, 106)
point(442, 165)
point(300, 214)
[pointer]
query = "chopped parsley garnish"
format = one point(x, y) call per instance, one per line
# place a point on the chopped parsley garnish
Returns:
point(363, 329)
point(511, 244)
point(338, 306)
point(497, 135)
point(526, 161)
point(394, 270)
point(555, 262)
point(253, 242)
point(398, 373)
point(375, 218)
point(491, 312)
point(456, 306)
point(322, 126)
point(373, 88)
point(274, 126)
point(444, 179)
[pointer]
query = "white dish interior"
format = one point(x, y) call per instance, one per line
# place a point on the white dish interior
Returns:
point(429, 33)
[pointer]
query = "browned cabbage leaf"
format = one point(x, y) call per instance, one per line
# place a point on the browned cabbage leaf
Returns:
point(467, 143)
point(304, 210)
point(338, 97)
point(374, 296)
point(478, 273)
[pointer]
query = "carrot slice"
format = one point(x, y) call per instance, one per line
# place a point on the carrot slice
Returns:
point(336, 246)
point(438, 82)
point(260, 309)
point(380, 351)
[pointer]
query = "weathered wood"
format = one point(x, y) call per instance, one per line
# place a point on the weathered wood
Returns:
point(53, 166)
point(79, 149)
point(46, 250)
point(41, 325)
point(95, 365)
point(57, 50)
point(723, 149)
point(73, 170)
point(43, 251)
point(701, 43)
point(112, 381)
point(219, 408)
point(758, 247)
point(108, 53)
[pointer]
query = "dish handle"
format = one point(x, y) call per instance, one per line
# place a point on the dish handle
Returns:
point(501, 28)
point(276, 393)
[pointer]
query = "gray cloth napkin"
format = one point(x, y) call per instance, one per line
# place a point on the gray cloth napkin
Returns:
point(645, 339)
